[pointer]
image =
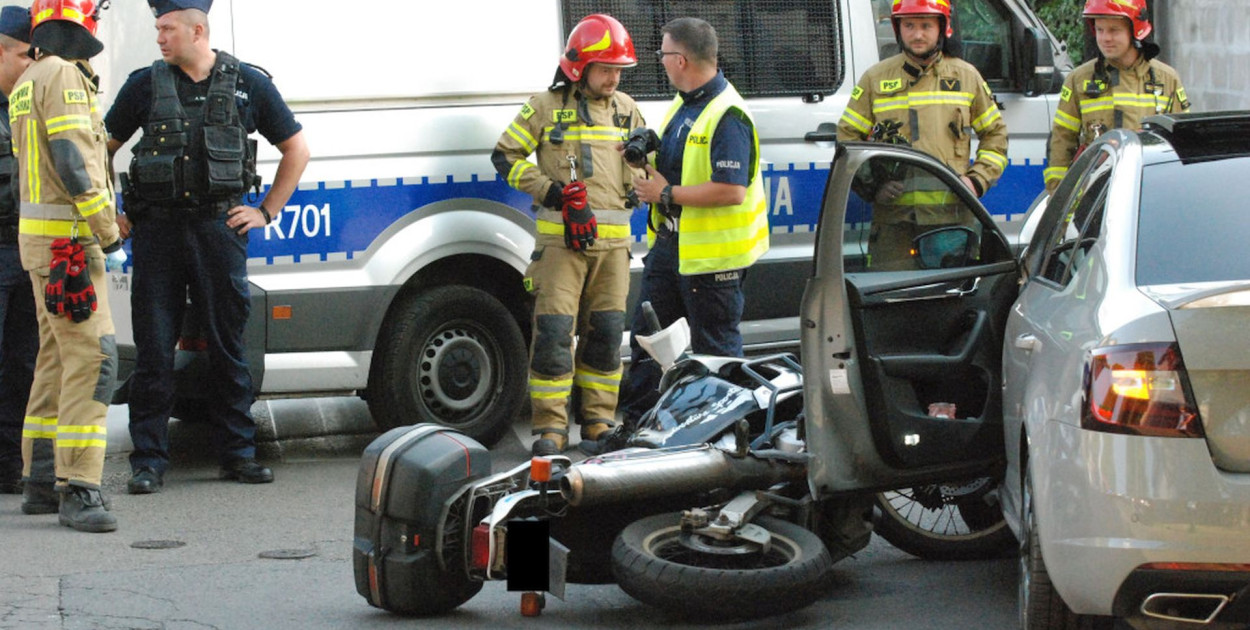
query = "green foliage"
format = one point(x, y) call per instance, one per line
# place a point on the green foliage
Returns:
point(1063, 18)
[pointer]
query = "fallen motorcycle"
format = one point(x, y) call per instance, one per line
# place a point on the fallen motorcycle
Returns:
point(711, 486)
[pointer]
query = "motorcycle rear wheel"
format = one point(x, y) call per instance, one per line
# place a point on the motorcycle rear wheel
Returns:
point(945, 522)
point(697, 576)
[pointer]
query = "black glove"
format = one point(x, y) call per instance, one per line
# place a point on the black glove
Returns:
point(580, 227)
point(78, 299)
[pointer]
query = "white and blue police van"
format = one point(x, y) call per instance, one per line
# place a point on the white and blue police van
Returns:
point(394, 272)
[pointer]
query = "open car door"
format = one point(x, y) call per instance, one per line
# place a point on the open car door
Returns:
point(903, 325)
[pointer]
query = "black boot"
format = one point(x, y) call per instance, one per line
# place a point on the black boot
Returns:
point(39, 498)
point(83, 509)
point(246, 471)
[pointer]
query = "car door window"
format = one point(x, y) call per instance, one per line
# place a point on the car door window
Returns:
point(1078, 229)
point(903, 215)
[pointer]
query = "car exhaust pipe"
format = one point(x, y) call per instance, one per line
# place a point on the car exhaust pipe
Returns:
point(1194, 608)
point(645, 475)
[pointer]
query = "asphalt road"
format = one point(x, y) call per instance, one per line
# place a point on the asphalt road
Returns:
point(54, 578)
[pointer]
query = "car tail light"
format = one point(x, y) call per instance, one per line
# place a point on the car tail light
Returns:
point(480, 554)
point(1139, 389)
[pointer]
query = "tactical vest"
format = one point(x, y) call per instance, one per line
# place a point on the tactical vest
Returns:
point(193, 155)
point(9, 193)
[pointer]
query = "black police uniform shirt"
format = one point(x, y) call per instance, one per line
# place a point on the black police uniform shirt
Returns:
point(732, 146)
point(260, 106)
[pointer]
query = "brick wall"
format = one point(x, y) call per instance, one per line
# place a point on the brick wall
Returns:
point(1208, 42)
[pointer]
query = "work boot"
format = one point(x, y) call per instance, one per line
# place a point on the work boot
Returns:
point(246, 471)
point(594, 436)
point(146, 480)
point(548, 444)
point(40, 498)
point(83, 509)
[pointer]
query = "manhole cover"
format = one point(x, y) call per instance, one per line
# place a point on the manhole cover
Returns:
point(287, 554)
point(157, 544)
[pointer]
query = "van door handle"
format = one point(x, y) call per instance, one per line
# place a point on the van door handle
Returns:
point(825, 132)
point(1028, 343)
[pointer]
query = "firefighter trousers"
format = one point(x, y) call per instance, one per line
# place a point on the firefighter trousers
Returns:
point(65, 433)
point(583, 293)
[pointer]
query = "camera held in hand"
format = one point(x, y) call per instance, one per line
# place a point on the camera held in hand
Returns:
point(641, 141)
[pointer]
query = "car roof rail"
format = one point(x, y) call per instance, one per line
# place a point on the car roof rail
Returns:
point(1205, 136)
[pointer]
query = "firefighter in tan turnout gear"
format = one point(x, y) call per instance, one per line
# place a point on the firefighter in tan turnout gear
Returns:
point(931, 101)
point(67, 228)
point(579, 272)
point(1119, 89)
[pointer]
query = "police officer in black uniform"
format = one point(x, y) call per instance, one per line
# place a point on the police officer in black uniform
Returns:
point(19, 330)
point(189, 227)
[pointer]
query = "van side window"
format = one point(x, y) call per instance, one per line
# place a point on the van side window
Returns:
point(983, 28)
point(775, 48)
point(903, 216)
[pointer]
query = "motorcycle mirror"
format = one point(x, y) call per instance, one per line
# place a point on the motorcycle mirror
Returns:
point(669, 344)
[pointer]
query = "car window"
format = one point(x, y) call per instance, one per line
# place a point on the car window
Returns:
point(1079, 227)
point(903, 216)
point(774, 48)
point(983, 28)
point(1193, 225)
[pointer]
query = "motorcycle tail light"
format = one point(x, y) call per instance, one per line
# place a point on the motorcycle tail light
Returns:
point(480, 554)
point(540, 469)
point(1139, 389)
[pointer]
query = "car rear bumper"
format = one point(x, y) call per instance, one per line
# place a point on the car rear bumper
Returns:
point(1189, 596)
point(1108, 504)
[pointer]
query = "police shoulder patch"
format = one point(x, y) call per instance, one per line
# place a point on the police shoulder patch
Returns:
point(890, 85)
point(526, 111)
point(75, 97)
point(856, 93)
point(1065, 95)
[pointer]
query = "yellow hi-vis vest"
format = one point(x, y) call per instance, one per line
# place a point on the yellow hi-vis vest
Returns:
point(716, 238)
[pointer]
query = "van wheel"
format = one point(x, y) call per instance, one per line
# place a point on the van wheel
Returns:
point(451, 355)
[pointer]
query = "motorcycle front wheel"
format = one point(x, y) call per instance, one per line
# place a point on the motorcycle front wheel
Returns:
point(694, 575)
point(950, 521)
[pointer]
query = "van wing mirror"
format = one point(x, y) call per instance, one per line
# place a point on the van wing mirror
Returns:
point(1037, 69)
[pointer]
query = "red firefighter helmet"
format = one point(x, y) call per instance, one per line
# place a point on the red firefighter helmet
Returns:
point(907, 8)
point(598, 38)
point(1132, 10)
point(84, 13)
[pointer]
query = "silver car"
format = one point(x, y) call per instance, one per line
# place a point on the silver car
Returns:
point(1103, 379)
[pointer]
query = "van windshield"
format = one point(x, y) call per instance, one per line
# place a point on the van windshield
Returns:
point(1195, 222)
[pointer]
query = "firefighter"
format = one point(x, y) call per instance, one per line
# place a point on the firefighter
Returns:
point(1118, 89)
point(19, 329)
point(932, 101)
point(68, 227)
point(189, 228)
point(579, 271)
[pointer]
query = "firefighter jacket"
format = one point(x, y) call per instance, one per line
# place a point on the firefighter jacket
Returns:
point(935, 109)
point(715, 239)
point(62, 156)
point(1099, 96)
point(560, 123)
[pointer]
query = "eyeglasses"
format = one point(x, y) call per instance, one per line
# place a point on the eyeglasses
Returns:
point(659, 54)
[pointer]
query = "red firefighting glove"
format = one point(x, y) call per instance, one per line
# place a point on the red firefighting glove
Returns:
point(54, 293)
point(580, 227)
point(80, 299)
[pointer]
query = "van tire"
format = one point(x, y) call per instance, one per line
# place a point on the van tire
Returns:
point(451, 355)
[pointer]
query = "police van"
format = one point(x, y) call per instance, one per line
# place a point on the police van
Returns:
point(394, 272)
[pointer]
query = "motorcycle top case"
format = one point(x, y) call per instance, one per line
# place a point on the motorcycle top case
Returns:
point(407, 478)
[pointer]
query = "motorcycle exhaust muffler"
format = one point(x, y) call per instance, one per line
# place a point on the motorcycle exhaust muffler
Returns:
point(651, 474)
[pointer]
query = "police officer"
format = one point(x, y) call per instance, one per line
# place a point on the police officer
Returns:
point(19, 331)
point(932, 101)
point(708, 220)
point(579, 274)
point(67, 229)
point(189, 227)
point(1118, 89)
